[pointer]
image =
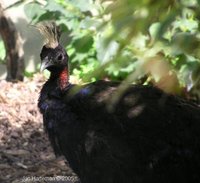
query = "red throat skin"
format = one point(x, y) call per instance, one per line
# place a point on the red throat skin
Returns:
point(63, 79)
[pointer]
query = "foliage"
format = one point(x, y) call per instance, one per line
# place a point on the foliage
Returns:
point(128, 39)
point(2, 52)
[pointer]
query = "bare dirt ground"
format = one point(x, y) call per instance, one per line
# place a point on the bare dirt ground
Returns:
point(25, 152)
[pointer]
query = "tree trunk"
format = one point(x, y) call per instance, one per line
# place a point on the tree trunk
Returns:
point(11, 39)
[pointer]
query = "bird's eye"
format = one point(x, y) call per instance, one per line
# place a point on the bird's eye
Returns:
point(60, 57)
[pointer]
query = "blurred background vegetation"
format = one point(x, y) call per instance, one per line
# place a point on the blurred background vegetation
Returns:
point(137, 41)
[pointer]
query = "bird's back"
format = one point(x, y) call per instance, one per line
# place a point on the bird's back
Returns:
point(139, 135)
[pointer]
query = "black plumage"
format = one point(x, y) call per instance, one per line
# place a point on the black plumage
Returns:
point(143, 135)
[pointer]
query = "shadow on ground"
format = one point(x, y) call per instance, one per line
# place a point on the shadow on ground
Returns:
point(25, 151)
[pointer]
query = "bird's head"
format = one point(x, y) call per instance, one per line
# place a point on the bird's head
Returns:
point(53, 56)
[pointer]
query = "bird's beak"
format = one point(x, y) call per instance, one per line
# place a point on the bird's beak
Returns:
point(45, 64)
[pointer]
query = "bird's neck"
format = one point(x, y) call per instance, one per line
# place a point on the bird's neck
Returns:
point(61, 77)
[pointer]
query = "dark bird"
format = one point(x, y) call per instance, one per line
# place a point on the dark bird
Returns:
point(140, 135)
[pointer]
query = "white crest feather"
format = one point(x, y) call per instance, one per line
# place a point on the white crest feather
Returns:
point(50, 32)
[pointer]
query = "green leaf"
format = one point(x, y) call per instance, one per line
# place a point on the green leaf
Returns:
point(84, 5)
point(33, 10)
point(106, 53)
point(154, 29)
point(83, 44)
point(2, 52)
point(52, 6)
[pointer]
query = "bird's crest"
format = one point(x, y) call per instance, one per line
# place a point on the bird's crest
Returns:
point(50, 32)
